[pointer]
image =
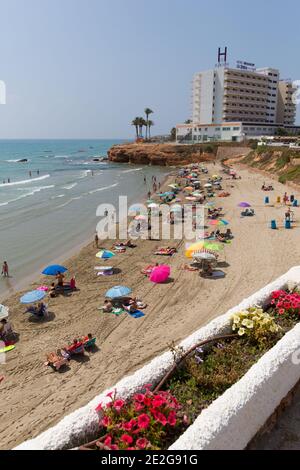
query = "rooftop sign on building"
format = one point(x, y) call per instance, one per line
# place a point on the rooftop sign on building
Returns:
point(245, 66)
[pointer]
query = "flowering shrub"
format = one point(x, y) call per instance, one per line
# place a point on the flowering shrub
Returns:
point(254, 323)
point(141, 422)
point(286, 303)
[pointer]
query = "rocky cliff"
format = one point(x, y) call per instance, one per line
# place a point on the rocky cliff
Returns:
point(161, 154)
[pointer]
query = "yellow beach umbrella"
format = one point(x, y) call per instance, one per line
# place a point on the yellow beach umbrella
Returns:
point(202, 245)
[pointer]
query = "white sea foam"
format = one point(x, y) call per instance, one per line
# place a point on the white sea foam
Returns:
point(104, 188)
point(129, 171)
point(17, 161)
point(69, 202)
point(16, 183)
point(69, 186)
point(62, 156)
point(58, 196)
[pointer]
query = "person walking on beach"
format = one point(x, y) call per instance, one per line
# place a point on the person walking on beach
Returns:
point(105, 213)
point(285, 198)
point(149, 194)
point(5, 269)
point(96, 241)
point(145, 179)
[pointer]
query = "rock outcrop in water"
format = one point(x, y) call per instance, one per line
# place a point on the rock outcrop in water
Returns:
point(159, 154)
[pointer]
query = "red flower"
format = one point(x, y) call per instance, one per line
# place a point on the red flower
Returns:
point(147, 401)
point(106, 421)
point(131, 448)
point(110, 394)
point(172, 418)
point(118, 404)
point(158, 402)
point(127, 439)
point(99, 408)
point(138, 407)
point(114, 447)
point(143, 421)
point(139, 397)
point(142, 443)
point(160, 417)
point(107, 441)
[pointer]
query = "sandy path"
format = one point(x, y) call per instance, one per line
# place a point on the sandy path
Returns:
point(34, 397)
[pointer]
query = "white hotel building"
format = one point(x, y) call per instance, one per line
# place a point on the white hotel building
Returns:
point(236, 104)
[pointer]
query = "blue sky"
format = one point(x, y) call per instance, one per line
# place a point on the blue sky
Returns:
point(86, 68)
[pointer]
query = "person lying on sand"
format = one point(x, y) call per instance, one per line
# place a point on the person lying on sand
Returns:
point(108, 306)
point(56, 360)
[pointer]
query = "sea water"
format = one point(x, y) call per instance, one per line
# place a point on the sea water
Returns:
point(48, 204)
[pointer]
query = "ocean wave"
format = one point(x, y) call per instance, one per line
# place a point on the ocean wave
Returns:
point(85, 174)
point(104, 188)
point(129, 171)
point(31, 193)
point(69, 186)
point(62, 156)
point(69, 202)
point(58, 196)
point(15, 183)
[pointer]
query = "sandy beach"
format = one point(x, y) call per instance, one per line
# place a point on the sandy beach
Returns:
point(33, 397)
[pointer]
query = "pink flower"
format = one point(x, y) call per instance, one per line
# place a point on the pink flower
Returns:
point(110, 394)
point(114, 447)
point(107, 441)
point(131, 448)
point(143, 421)
point(118, 404)
point(148, 386)
point(127, 439)
point(139, 397)
point(133, 422)
point(281, 311)
point(142, 443)
point(106, 421)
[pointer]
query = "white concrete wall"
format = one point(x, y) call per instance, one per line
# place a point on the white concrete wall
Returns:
point(229, 422)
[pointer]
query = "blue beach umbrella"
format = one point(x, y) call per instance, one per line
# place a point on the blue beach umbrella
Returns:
point(105, 254)
point(54, 269)
point(118, 291)
point(32, 297)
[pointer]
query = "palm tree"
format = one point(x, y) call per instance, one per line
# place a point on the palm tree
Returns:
point(142, 123)
point(147, 111)
point(135, 123)
point(150, 124)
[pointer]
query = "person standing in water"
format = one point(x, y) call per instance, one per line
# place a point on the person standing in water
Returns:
point(5, 269)
point(30, 174)
point(38, 172)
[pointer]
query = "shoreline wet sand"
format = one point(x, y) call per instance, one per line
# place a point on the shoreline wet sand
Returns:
point(34, 397)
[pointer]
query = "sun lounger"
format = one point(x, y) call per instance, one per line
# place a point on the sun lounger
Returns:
point(74, 351)
point(55, 361)
point(89, 343)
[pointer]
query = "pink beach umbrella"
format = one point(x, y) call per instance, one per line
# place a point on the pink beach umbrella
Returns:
point(160, 274)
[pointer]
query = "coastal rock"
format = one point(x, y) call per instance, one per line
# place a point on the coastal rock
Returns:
point(159, 154)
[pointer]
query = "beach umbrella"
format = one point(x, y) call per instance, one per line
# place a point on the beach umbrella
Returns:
point(215, 176)
point(202, 246)
point(54, 269)
point(117, 292)
point(196, 193)
point(189, 188)
point(152, 205)
point(204, 255)
point(141, 217)
point(160, 274)
point(32, 297)
point(174, 186)
point(244, 204)
point(105, 254)
point(208, 204)
point(218, 222)
point(208, 185)
point(3, 312)
point(191, 198)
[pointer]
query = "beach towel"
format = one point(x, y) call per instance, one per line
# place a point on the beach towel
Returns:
point(117, 311)
point(136, 314)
